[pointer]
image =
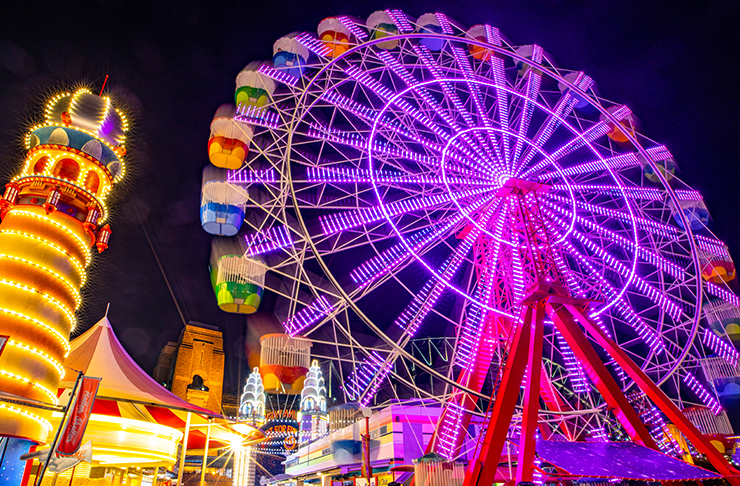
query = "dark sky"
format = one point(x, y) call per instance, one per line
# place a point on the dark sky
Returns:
point(675, 64)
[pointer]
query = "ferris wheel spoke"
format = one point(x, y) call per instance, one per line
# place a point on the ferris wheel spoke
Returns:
point(531, 92)
point(643, 223)
point(351, 175)
point(623, 307)
point(421, 91)
point(646, 255)
point(590, 135)
point(614, 163)
point(338, 222)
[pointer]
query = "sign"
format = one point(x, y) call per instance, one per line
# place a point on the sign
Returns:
point(71, 439)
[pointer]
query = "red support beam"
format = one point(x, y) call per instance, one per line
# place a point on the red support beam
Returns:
point(599, 375)
point(531, 404)
point(661, 400)
point(482, 471)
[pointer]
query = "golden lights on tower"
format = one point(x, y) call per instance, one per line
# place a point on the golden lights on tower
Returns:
point(52, 213)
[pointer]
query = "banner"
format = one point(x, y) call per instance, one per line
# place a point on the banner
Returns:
point(71, 439)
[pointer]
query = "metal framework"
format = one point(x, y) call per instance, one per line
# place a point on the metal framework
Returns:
point(466, 189)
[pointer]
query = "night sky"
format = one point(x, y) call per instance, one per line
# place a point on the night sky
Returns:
point(674, 64)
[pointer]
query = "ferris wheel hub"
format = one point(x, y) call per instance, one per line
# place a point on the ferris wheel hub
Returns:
point(514, 186)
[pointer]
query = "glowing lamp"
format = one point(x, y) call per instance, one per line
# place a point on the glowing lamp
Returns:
point(11, 192)
point(52, 200)
point(103, 237)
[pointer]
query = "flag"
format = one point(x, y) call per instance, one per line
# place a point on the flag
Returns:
point(71, 439)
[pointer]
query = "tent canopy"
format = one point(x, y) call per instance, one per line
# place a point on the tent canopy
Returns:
point(127, 391)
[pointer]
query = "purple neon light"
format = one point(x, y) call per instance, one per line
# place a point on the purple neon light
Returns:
point(279, 76)
point(590, 135)
point(646, 193)
point(399, 18)
point(664, 230)
point(531, 90)
point(659, 153)
point(720, 347)
point(450, 429)
point(307, 316)
point(612, 163)
point(241, 176)
point(713, 246)
point(660, 432)
point(338, 222)
point(657, 260)
point(355, 140)
point(268, 240)
point(257, 116)
point(444, 22)
point(371, 372)
point(576, 374)
point(313, 44)
point(620, 372)
point(493, 35)
point(671, 308)
point(354, 29)
point(598, 434)
point(351, 175)
point(369, 115)
point(709, 400)
point(725, 294)
point(648, 334)
point(451, 95)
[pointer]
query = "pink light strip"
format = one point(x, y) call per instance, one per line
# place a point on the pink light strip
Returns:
point(355, 29)
point(617, 162)
point(268, 240)
point(355, 140)
point(337, 222)
point(725, 294)
point(314, 45)
point(576, 374)
point(664, 230)
point(720, 347)
point(531, 90)
point(657, 260)
point(279, 76)
point(257, 116)
point(444, 23)
point(350, 175)
point(712, 245)
point(671, 308)
point(648, 334)
point(399, 18)
point(451, 95)
point(242, 176)
point(702, 393)
point(309, 315)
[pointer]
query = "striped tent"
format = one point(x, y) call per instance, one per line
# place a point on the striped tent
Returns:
point(127, 391)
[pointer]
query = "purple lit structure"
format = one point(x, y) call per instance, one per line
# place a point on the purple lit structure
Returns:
point(451, 185)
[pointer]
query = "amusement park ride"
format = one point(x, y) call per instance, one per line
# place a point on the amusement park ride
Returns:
point(395, 179)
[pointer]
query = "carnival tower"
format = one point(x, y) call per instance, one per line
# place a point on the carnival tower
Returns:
point(53, 212)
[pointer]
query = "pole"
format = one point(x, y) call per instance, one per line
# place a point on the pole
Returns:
point(53, 447)
point(205, 455)
point(72, 476)
point(368, 470)
point(184, 450)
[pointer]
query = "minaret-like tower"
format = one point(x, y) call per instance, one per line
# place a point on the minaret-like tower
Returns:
point(252, 402)
point(314, 420)
point(53, 212)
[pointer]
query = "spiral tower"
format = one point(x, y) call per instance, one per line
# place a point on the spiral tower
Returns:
point(53, 212)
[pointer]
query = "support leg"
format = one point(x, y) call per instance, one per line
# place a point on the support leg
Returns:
point(660, 399)
point(531, 405)
point(483, 469)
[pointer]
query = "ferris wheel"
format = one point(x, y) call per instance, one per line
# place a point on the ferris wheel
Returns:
point(415, 179)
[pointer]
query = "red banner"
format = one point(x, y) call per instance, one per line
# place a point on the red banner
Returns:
point(71, 439)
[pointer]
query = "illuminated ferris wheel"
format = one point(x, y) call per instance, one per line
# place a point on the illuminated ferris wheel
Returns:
point(413, 179)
